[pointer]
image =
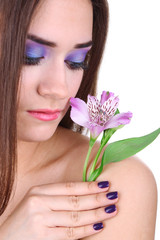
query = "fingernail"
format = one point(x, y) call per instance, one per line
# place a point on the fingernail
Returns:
point(103, 184)
point(98, 226)
point(112, 195)
point(110, 209)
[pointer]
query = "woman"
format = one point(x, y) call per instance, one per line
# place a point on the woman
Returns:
point(42, 196)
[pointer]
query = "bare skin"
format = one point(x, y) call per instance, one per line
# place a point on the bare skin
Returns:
point(28, 212)
point(134, 182)
point(50, 156)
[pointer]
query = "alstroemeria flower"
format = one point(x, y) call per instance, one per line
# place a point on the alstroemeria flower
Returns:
point(97, 115)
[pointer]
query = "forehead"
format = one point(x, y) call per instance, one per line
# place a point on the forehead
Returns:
point(65, 22)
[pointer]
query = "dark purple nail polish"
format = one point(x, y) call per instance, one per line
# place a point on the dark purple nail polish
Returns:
point(98, 226)
point(110, 209)
point(103, 184)
point(112, 195)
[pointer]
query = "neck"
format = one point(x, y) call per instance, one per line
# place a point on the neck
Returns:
point(33, 156)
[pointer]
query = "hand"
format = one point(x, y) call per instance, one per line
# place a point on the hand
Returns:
point(59, 212)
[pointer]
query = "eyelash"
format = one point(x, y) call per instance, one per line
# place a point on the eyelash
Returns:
point(71, 65)
point(76, 66)
point(32, 61)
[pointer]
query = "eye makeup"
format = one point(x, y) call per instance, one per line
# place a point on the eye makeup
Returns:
point(76, 59)
point(77, 55)
point(36, 52)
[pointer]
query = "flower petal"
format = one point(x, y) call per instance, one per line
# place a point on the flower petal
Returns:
point(96, 130)
point(79, 112)
point(105, 96)
point(110, 106)
point(93, 101)
point(119, 119)
point(94, 107)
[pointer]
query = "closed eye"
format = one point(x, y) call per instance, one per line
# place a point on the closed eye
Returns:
point(76, 66)
point(30, 61)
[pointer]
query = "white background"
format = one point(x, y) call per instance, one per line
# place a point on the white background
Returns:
point(131, 69)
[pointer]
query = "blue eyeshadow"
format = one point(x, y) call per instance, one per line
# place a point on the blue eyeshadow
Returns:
point(77, 55)
point(34, 50)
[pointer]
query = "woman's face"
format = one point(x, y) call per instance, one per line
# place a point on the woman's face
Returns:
point(58, 40)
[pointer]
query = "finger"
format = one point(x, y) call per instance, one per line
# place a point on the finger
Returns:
point(78, 203)
point(71, 188)
point(76, 218)
point(70, 233)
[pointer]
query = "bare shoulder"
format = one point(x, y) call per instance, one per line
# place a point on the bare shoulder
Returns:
point(136, 186)
point(137, 204)
point(131, 172)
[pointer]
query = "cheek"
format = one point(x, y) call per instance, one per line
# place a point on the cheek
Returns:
point(29, 77)
point(75, 82)
point(27, 85)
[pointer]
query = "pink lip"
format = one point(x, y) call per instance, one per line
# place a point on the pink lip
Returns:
point(45, 114)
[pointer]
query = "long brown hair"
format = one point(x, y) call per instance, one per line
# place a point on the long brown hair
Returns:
point(15, 18)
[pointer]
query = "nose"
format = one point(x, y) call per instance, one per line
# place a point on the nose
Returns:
point(53, 82)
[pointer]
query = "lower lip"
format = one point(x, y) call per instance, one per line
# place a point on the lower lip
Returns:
point(44, 116)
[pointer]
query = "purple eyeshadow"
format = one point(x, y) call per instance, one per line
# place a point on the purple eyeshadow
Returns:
point(34, 50)
point(77, 55)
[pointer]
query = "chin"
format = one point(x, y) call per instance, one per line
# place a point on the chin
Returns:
point(36, 135)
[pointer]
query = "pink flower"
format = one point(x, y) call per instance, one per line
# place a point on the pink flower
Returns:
point(98, 116)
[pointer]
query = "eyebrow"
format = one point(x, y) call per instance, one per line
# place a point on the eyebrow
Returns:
point(52, 44)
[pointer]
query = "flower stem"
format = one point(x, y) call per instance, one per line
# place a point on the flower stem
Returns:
point(91, 143)
point(96, 159)
point(106, 136)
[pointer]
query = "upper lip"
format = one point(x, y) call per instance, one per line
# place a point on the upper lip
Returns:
point(47, 111)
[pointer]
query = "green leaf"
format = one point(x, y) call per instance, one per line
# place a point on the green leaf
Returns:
point(123, 149)
point(117, 112)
